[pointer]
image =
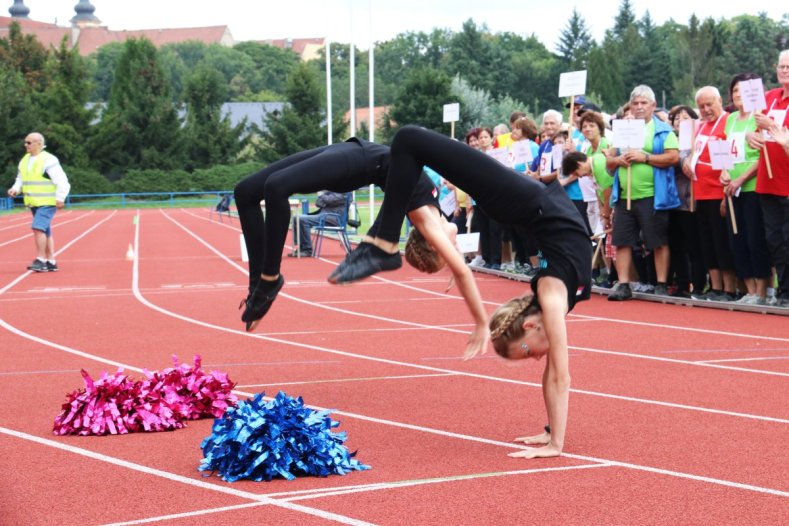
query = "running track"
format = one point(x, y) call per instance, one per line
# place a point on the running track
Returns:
point(678, 415)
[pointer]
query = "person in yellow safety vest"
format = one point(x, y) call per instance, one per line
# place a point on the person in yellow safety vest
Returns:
point(45, 186)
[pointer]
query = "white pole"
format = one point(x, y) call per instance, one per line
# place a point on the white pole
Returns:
point(328, 92)
point(352, 65)
point(371, 122)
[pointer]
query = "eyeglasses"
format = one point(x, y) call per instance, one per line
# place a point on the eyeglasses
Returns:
point(782, 67)
point(526, 350)
point(28, 142)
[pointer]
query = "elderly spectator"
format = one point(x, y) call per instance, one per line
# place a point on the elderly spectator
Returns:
point(687, 262)
point(505, 138)
point(542, 165)
point(749, 246)
point(709, 197)
point(772, 179)
point(653, 193)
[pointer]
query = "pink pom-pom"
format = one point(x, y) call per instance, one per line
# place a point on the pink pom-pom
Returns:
point(116, 404)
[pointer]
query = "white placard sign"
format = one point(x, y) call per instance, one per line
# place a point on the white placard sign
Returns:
point(502, 155)
point(721, 156)
point(557, 154)
point(452, 112)
point(572, 83)
point(521, 152)
point(686, 135)
point(752, 93)
point(629, 133)
point(468, 242)
point(448, 204)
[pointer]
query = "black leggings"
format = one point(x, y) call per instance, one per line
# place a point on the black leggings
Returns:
point(339, 167)
point(503, 194)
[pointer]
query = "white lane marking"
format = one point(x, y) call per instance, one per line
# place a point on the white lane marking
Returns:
point(56, 225)
point(343, 380)
point(183, 480)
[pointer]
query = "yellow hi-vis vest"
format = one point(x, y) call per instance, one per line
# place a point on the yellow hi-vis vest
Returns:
point(38, 190)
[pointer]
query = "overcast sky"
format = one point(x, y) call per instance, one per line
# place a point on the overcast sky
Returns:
point(344, 20)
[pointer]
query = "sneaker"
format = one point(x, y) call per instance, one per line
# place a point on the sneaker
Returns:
point(477, 262)
point(370, 261)
point(259, 301)
point(38, 266)
point(52, 267)
point(719, 296)
point(679, 293)
point(360, 249)
point(300, 254)
point(621, 293)
point(661, 289)
point(700, 296)
point(493, 266)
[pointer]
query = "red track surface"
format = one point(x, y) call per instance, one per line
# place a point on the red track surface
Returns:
point(678, 415)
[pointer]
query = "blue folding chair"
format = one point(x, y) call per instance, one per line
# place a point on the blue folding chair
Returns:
point(340, 229)
point(222, 207)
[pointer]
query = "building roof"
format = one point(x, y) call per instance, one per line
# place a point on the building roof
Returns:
point(91, 38)
point(306, 48)
point(363, 116)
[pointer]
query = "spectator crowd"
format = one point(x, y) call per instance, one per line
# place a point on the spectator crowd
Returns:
point(700, 211)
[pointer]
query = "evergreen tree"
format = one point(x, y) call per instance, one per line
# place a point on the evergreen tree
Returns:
point(209, 139)
point(300, 126)
point(66, 118)
point(575, 43)
point(625, 19)
point(421, 100)
point(18, 117)
point(25, 54)
point(140, 127)
point(751, 46)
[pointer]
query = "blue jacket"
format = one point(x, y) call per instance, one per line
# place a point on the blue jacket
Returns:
point(666, 193)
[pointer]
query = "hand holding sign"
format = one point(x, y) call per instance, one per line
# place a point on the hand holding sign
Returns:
point(721, 158)
point(629, 135)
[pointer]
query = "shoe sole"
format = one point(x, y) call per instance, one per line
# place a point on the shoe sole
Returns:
point(252, 324)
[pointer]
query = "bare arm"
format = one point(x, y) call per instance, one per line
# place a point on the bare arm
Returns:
point(552, 294)
point(430, 226)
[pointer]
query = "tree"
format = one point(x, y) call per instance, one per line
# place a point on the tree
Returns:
point(300, 125)
point(575, 42)
point(421, 100)
point(66, 118)
point(140, 127)
point(25, 54)
point(272, 66)
point(102, 65)
point(209, 139)
point(18, 117)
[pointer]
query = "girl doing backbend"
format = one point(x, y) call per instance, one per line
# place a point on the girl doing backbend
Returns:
point(532, 326)
point(341, 167)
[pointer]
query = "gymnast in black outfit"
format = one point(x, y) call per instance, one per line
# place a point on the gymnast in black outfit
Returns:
point(527, 327)
point(340, 167)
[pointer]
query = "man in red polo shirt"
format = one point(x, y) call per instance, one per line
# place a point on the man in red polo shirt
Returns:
point(772, 179)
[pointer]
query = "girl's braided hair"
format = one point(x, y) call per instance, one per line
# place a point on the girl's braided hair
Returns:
point(506, 323)
point(421, 255)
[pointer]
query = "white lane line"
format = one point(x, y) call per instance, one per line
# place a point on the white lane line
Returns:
point(183, 480)
point(753, 359)
point(56, 225)
point(343, 380)
point(58, 252)
point(448, 329)
point(332, 492)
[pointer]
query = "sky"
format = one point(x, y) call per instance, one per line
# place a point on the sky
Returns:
point(363, 21)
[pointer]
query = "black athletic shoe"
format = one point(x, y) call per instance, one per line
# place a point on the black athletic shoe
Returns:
point(52, 267)
point(621, 293)
point(259, 301)
point(355, 254)
point(38, 266)
point(371, 261)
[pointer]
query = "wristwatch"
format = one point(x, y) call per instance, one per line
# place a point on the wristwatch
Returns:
point(647, 159)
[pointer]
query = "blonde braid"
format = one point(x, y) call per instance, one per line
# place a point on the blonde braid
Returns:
point(421, 255)
point(506, 323)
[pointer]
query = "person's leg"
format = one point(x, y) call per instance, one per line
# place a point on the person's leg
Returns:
point(306, 222)
point(248, 194)
point(40, 239)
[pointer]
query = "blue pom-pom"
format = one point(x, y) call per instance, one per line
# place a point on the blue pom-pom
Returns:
point(259, 440)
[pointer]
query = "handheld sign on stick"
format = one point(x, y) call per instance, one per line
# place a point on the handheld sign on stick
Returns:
point(752, 93)
point(572, 83)
point(452, 115)
point(629, 135)
point(722, 159)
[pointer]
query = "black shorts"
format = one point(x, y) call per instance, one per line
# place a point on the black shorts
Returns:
point(714, 238)
point(642, 218)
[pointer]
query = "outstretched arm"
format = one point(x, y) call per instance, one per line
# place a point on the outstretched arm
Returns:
point(431, 227)
point(552, 294)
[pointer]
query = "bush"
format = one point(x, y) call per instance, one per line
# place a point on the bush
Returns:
point(86, 181)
